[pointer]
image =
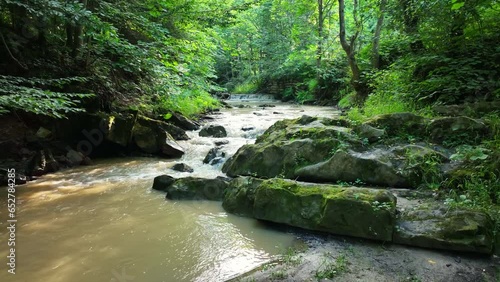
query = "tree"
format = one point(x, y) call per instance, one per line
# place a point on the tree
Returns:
point(349, 47)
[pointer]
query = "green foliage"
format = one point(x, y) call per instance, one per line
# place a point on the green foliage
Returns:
point(33, 95)
point(188, 103)
point(426, 168)
point(470, 153)
point(247, 87)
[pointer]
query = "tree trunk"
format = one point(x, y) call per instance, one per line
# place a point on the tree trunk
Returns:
point(376, 37)
point(349, 48)
point(319, 50)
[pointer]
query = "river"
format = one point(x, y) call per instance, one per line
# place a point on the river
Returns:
point(104, 222)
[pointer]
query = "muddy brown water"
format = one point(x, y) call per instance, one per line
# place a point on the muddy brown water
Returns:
point(105, 223)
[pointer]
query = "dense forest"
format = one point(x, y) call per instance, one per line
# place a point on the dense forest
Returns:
point(158, 55)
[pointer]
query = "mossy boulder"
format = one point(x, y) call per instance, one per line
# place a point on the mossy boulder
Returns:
point(477, 109)
point(357, 212)
point(452, 131)
point(183, 122)
point(440, 228)
point(289, 145)
point(269, 160)
point(371, 167)
point(399, 123)
point(306, 127)
point(119, 129)
point(240, 195)
point(151, 137)
point(369, 133)
point(191, 188)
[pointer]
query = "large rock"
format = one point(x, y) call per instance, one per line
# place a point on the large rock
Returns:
point(357, 212)
point(277, 159)
point(457, 230)
point(162, 182)
point(191, 188)
point(217, 131)
point(96, 128)
point(452, 131)
point(289, 145)
point(477, 109)
point(371, 167)
point(151, 137)
point(399, 123)
point(240, 195)
point(183, 122)
point(119, 129)
point(370, 133)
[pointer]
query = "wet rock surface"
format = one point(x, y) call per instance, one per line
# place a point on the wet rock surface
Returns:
point(217, 131)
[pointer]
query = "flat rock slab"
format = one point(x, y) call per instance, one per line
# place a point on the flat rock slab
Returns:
point(357, 212)
point(441, 228)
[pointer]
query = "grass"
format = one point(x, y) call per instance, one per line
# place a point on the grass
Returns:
point(291, 257)
point(247, 87)
point(190, 103)
point(278, 275)
point(330, 269)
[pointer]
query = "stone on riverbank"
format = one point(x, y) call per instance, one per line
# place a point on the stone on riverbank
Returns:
point(240, 195)
point(358, 212)
point(457, 230)
point(288, 145)
point(369, 167)
point(151, 138)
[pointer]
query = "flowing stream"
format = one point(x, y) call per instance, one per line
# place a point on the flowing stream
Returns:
point(105, 223)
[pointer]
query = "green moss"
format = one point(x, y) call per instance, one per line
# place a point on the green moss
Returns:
point(327, 191)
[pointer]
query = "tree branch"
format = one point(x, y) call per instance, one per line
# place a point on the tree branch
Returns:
point(10, 53)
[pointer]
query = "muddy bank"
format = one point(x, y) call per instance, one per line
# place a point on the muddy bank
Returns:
point(334, 258)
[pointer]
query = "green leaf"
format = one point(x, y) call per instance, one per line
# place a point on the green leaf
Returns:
point(457, 5)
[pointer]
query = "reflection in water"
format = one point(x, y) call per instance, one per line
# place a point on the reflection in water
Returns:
point(104, 223)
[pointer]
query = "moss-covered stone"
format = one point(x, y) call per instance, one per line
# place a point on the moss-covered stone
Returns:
point(458, 230)
point(277, 159)
point(289, 145)
point(399, 123)
point(240, 195)
point(371, 167)
point(192, 188)
point(119, 129)
point(368, 132)
point(151, 137)
point(358, 212)
point(452, 131)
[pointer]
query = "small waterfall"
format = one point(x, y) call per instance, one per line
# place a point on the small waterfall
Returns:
point(252, 97)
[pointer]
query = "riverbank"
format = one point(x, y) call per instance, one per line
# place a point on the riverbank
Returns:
point(334, 258)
